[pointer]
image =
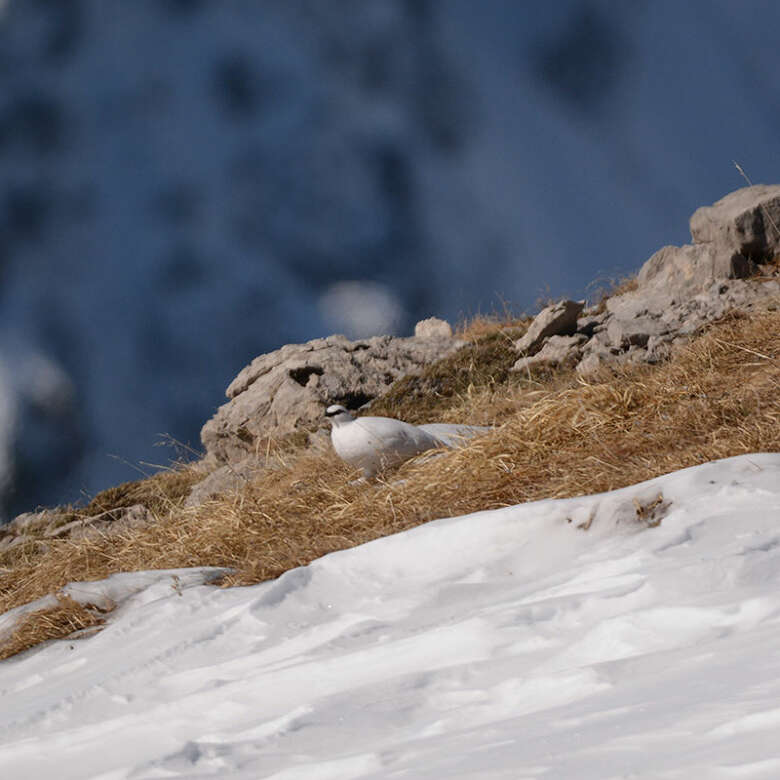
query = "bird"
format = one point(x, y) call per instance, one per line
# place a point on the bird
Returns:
point(374, 444)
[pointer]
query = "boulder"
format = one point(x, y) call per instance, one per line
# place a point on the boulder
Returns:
point(111, 521)
point(225, 479)
point(636, 331)
point(60, 523)
point(729, 239)
point(679, 289)
point(29, 523)
point(596, 353)
point(591, 323)
point(287, 390)
point(560, 319)
point(746, 221)
point(676, 273)
point(433, 328)
point(590, 365)
point(558, 351)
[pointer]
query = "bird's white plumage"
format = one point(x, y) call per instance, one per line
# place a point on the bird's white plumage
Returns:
point(453, 435)
point(376, 443)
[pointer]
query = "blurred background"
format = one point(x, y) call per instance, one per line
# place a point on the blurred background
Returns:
point(185, 184)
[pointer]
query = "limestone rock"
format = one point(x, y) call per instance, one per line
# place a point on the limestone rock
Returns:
point(680, 289)
point(660, 347)
point(110, 521)
point(747, 221)
point(29, 523)
point(674, 274)
point(624, 333)
point(287, 390)
point(57, 524)
point(225, 479)
point(560, 319)
point(558, 351)
point(590, 366)
point(589, 324)
point(730, 237)
point(433, 328)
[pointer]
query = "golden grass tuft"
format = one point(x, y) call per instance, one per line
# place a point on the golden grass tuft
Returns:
point(156, 492)
point(57, 622)
point(487, 324)
point(561, 437)
point(443, 387)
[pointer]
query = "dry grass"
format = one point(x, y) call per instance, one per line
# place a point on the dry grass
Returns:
point(55, 623)
point(487, 324)
point(443, 388)
point(157, 492)
point(718, 397)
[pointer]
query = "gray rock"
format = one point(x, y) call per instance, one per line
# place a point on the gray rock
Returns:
point(9, 542)
point(730, 237)
point(659, 348)
point(674, 274)
point(112, 521)
point(287, 390)
point(29, 523)
point(433, 328)
point(560, 319)
point(596, 353)
point(591, 323)
point(590, 365)
point(51, 524)
point(746, 221)
point(225, 479)
point(558, 351)
point(636, 331)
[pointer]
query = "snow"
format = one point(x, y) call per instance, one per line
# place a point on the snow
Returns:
point(562, 638)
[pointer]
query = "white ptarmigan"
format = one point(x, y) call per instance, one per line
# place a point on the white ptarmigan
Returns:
point(376, 443)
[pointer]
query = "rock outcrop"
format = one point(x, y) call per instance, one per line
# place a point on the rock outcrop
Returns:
point(287, 390)
point(54, 524)
point(560, 319)
point(732, 264)
point(746, 220)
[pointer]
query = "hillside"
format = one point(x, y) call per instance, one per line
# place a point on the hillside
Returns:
point(557, 432)
point(589, 589)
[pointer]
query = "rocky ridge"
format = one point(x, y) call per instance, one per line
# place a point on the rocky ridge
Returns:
point(285, 392)
point(732, 264)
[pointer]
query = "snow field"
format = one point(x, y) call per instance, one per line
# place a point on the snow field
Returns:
point(504, 644)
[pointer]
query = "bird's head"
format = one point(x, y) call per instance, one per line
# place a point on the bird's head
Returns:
point(338, 415)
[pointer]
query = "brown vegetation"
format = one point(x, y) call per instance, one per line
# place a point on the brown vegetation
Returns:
point(41, 625)
point(555, 437)
point(483, 364)
point(157, 492)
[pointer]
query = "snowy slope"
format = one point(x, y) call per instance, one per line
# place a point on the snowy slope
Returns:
point(504, 644)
